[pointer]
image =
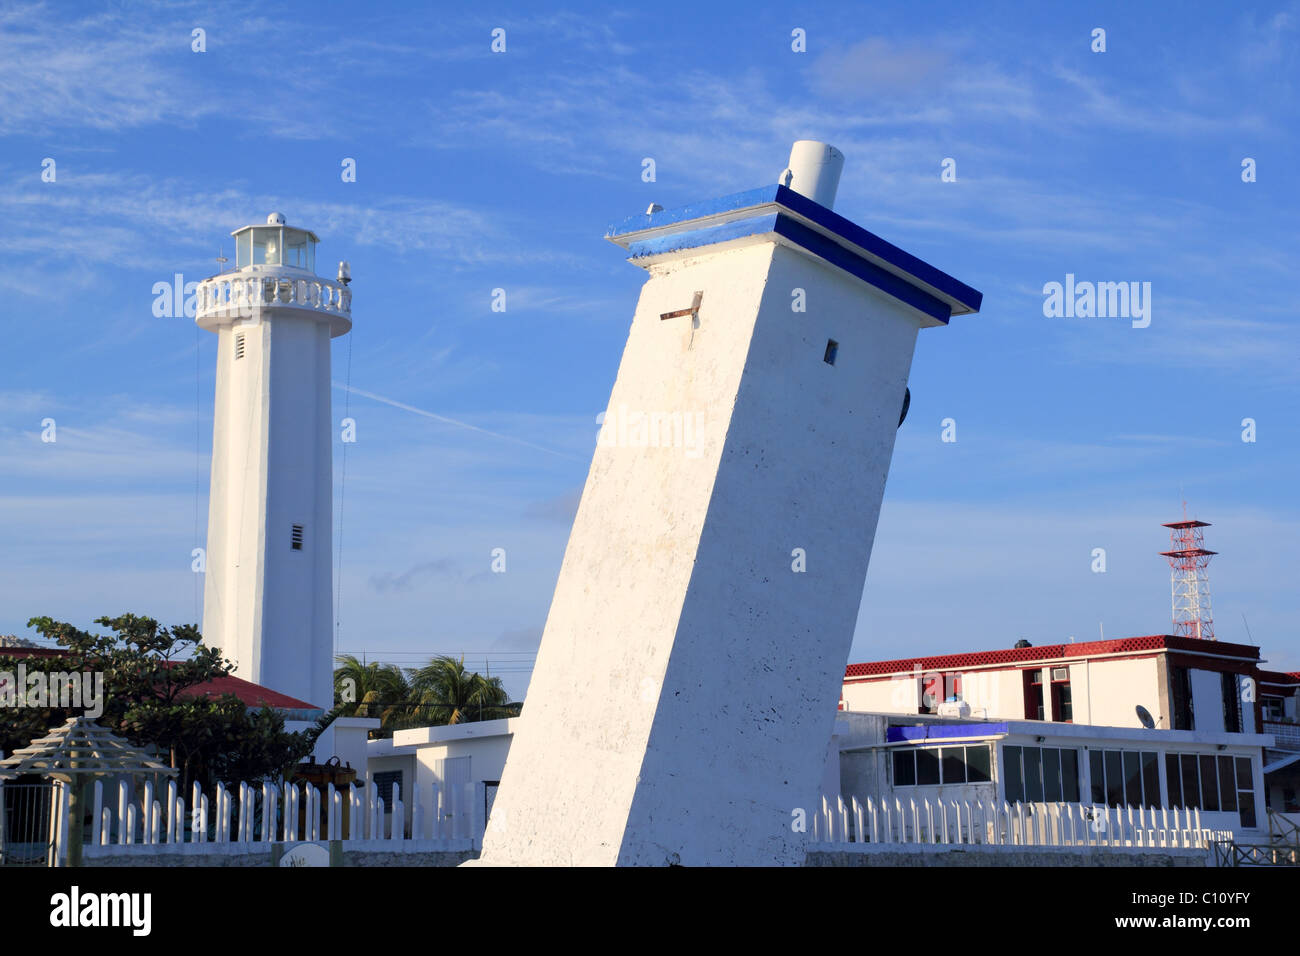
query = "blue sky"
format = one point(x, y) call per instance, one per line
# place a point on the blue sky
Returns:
point(479, 170)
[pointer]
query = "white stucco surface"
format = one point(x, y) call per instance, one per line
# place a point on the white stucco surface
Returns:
point(715, 665)
point(266, 606)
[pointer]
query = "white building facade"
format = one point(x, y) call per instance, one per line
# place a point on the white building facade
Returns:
point(1219, 775)
point(1182, 683)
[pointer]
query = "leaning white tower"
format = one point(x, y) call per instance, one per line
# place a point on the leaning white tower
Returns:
point(267, 595)
point(685, 691)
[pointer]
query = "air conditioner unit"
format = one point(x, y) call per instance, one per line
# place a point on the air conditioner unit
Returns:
point(954, 708)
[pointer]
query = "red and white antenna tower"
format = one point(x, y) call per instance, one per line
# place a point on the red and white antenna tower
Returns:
point(1190, 579)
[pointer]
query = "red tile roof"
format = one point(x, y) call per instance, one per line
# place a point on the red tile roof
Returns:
point(1285, 679)
point(250, 694)
point(1017, 655)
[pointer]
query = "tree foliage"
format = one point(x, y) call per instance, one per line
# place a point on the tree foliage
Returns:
point(147, 670)
point(441, 692)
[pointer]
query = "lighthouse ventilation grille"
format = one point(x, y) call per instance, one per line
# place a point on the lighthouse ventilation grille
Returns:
point(239, 346)
point(295, 539)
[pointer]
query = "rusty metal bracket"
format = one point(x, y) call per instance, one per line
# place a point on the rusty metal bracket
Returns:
point(695, 307)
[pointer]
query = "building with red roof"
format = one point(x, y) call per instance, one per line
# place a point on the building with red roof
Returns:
point(253, 696)
point(1154, 682)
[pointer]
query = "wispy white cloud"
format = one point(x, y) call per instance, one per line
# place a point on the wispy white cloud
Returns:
point(451, 421)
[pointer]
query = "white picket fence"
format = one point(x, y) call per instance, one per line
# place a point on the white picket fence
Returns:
point(266, 812)
point(899, 820)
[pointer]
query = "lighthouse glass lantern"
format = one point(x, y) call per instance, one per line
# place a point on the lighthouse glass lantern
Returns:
point(275, 244)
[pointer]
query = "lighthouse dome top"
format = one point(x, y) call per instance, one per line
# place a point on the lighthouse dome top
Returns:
point(275, 244)
point(275, 268)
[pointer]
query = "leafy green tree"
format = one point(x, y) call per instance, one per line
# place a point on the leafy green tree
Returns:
point(147, 670)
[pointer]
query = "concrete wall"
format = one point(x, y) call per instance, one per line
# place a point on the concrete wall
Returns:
point(1107, 692)
point(268, 607)
point(347, 738)
point(894, 855)
point(259, 855)
point(1104, 692)
point(880, 855)
point(677, 606)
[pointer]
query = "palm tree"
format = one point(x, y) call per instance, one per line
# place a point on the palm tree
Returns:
point(371, 690)
point(443, 692)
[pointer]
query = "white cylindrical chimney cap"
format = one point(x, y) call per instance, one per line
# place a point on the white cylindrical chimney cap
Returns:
point(814, 171)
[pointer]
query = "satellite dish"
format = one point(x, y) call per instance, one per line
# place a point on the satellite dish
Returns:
point(907, 403)
point(1144, 715)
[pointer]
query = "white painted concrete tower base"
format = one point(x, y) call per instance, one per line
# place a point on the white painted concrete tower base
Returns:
point(685, 689)
point(267, 599)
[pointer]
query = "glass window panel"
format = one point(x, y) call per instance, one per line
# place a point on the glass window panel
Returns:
point(1191, 780)
point(1114, 778)
point(927, 767)
point(952, 687)
point(1244, 779)
point(1051, 775)
point(954, 764)
point(1066, 710)
point(266, 247)
point(1033, 775)
point(1227, 785)
point(1209, 783)
point(930, 689)
point(904, 768)
point(1151, 779)
point(1070, 776)
point(1174, 780)
point(1246, 806)
point(295, 250)
point(1132, 778)
point(1098, 772)
point(1012, 777)
point(977, 764)
point(243, 250)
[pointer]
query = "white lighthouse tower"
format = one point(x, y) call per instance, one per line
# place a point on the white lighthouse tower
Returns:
point(267, 595)
point(685, 690)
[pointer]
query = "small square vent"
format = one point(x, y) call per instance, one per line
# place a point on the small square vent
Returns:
point(239, 345)
point(295, 538)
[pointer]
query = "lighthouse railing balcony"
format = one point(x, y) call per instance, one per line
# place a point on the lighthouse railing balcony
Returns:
point(237, 295)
